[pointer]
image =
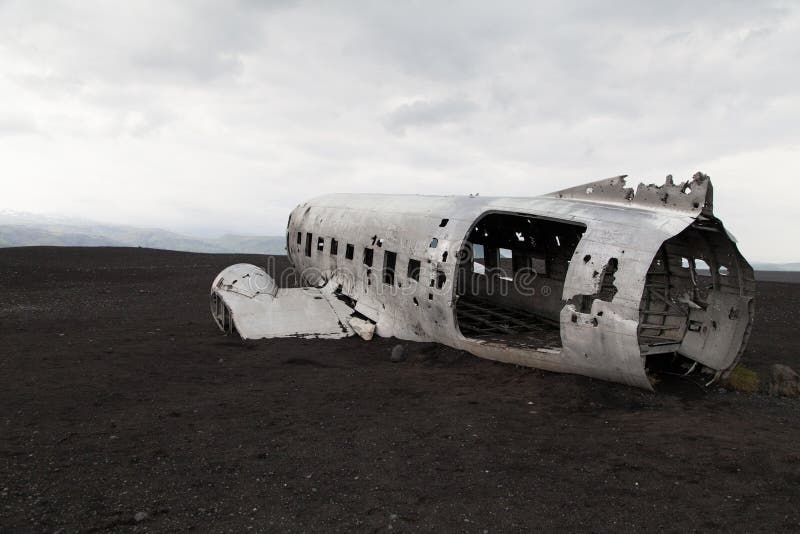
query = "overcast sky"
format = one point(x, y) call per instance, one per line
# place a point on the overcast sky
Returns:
point(213, 117)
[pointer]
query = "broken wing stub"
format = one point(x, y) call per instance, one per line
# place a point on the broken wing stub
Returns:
point(246, 300)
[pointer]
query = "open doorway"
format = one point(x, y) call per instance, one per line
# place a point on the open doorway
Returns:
point(511, 277)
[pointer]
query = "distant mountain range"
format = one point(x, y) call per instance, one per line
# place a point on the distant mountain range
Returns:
point(758, 266)
point(19, 229)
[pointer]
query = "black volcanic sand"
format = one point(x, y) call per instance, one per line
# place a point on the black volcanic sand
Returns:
point(119, 396)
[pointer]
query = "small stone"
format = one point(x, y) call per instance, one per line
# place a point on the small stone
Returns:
point(365, 329)
point(783, 380)
point(398, 353)
point(140, 516)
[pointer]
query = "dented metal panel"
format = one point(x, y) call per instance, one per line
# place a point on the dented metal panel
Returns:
point(606, 294)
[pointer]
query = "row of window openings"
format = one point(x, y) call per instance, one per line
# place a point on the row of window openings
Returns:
point(520, 262)
point(701, 267)
point(350, 250)
point(540, 267)
point(389, 259)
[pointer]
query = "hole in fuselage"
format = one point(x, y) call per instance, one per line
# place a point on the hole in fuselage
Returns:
point(694, 307)
point(510, 278)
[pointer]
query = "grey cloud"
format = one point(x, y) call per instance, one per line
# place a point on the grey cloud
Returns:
point(17, 124)
point(422, 113)
point(142, 42)
point(186, 66)
point(437, 40)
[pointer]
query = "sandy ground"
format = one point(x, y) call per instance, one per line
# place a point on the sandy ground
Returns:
point(779, 276)
point(119, 397)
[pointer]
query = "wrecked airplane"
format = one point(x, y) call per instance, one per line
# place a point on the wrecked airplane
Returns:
point(600, 280)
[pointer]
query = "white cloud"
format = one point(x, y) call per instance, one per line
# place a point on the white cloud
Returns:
point(204, 116)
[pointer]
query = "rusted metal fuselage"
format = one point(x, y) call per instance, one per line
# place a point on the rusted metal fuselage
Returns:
point(600, 280)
